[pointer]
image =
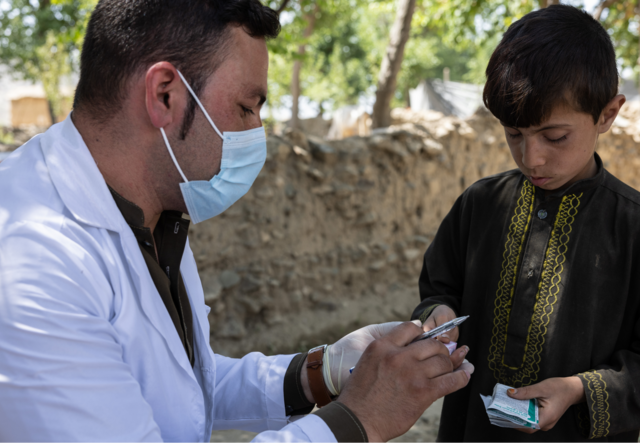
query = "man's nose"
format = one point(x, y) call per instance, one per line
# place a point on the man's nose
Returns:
point(532, 153)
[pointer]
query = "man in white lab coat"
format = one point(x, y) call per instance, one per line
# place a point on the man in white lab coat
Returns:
point(103, 327)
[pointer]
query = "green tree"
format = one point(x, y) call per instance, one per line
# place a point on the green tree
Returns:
point(39, 40)
point(319, 54)
point(622, 21)
point(392, 63)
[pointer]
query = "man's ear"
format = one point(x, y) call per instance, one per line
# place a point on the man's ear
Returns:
point(166, 95)
point(610, 112)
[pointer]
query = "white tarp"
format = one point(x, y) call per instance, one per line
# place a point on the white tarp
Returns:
point(450, 98)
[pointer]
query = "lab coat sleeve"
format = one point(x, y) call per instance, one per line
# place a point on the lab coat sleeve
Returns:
point(309, 428)
point(62, 375)
point(249, 392)
point(250, 396)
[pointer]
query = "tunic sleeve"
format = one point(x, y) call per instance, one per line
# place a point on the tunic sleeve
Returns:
point(442, 276)
point(613, 394)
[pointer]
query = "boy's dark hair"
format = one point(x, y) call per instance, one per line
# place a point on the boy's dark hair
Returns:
point(126, 36)
point(552, 56)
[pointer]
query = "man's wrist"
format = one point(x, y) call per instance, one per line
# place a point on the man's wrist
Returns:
point(370, 429)
point(344, 423)
point(304, 381)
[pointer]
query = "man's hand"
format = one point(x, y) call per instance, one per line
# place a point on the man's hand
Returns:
point(554, 395)
point(440, 315)
point(395, 381)
point(346, 352)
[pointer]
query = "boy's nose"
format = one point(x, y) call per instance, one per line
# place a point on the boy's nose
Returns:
point(532, 154)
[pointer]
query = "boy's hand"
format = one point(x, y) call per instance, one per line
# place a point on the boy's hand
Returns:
point(440, 315)
point(554, 395)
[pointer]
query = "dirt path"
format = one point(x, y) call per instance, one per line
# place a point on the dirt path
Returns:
point(425, 429)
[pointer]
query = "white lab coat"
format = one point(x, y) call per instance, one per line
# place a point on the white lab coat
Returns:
point(87, 348)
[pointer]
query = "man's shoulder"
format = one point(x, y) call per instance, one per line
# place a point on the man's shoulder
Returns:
point(28, 192)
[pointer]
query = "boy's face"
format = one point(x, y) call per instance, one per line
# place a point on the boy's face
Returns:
point(559, 152)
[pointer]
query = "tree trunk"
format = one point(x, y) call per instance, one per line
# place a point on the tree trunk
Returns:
point(52, 113)
point(297, 66)
point(282, 7)
point(295, 93)
point(391, 63)
point(597, 13)
point(545, 3)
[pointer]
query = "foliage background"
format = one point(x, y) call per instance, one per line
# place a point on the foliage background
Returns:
point(41, 40)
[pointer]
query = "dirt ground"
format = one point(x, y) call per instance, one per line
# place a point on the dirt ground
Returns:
point(425, 429)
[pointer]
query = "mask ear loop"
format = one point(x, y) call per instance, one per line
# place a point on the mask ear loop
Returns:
point(173, 157)
point(204, 111)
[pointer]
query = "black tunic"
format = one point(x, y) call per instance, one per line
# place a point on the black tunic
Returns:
point(552, 285)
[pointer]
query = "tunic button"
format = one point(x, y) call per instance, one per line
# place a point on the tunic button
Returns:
point(530, 274)
point(542, 214)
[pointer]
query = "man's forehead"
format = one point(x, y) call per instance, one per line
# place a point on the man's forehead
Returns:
point(246, 62)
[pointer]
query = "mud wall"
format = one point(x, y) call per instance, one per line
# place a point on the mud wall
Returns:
point(331, 236)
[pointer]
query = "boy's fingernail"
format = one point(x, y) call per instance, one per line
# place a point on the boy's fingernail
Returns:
point(444, 335)
point(512, 391)
point(468, 375)
point(465, 350)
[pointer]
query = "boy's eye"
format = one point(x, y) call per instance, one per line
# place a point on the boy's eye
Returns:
point(510, 135)
point(557, 140)
point(246, 111)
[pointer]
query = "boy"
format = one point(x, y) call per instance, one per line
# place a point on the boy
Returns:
point(545, 258)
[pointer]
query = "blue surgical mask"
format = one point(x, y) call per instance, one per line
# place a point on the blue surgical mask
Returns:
point(243, 155)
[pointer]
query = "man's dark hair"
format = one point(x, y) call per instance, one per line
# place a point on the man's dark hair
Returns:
point(126, 36)
point(553, 56)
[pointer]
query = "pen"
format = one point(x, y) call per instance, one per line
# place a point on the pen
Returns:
point(445, 327)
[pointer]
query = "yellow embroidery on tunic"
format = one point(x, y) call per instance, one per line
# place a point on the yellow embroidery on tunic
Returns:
point(600, 417)
point(584, 421)
point(511, 256)
point(427, 312)
point(546, 298)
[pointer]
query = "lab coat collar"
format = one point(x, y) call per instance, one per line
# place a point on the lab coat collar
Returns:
point(86, 195)
point(77, 178)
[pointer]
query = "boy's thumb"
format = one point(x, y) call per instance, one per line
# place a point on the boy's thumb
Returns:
point(521, 393)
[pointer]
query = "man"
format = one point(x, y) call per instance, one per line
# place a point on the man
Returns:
point(104, 332)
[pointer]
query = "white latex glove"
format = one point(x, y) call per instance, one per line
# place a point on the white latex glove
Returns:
point(344, 354)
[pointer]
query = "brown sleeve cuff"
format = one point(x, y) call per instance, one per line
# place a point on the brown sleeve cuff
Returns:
point(343, 423)
point(295, 402)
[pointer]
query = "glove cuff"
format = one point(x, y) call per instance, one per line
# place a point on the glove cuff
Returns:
point(326, 372)
point(315, 363)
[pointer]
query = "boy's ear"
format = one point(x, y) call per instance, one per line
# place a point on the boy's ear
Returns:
point(610, 112)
